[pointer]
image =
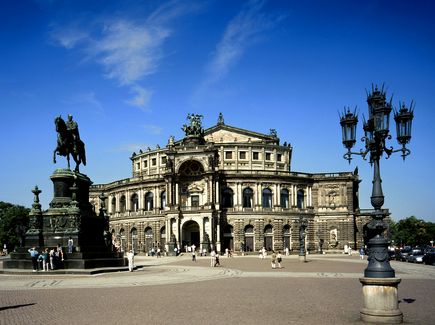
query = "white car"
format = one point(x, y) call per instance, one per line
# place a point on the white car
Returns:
point(416, 257)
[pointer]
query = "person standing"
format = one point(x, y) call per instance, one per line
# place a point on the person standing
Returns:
point(58, 254)
point(279, 259)
point(70, 245)
point(130, 257)
point(34, 255)
point(45, 260)
point(273, 260)
point(51, 257)
point(193, 256)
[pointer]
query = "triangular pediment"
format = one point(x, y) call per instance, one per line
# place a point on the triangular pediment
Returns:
point(229, 134)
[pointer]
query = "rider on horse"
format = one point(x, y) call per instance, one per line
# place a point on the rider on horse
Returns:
point(73, 129)
point(68, 141)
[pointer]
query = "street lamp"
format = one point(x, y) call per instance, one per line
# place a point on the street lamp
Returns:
point(303, 223)
point(376, 131)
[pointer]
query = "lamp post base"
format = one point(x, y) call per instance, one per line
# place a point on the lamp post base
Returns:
point(381, 301)
point(302, 258)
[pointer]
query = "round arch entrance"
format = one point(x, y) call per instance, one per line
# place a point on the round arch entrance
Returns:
point(190, 234)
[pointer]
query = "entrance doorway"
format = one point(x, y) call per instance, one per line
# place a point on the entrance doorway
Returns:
point(190, 234)
point(228, 238)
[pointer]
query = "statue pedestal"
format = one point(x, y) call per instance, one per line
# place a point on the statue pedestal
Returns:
point(70, 215)
point(171, 247)
point(381, 301)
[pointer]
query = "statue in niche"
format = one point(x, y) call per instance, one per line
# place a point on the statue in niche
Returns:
point(333, 242)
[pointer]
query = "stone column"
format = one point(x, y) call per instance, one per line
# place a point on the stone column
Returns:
point(381, 301)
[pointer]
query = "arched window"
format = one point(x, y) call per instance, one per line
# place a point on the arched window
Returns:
point(284, 198)
point(163, 200)
point(122, 204)
point(300, 199)
point(227, 198)
point(191, 168)
point(123, 240)
point(149, 239)
point(162, 237)
point(287, 237)
point(249, 239)
point(113, 205)
point(228, 241)
point(133, 238)
point(134, 202)
point(247, 197)
point(268, 237)
point(149, 201)
point(267, 198)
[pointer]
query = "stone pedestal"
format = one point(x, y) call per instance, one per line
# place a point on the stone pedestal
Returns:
point(171, 247)
point(381, 304)
point(70, 215)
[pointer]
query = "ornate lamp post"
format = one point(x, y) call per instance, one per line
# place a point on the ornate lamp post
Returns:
point(376, 130)
point(303, 223)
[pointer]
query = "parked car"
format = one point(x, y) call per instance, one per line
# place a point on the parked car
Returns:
point(416, 256)
point(392, 255)
point(429, 257)
point(403, 254)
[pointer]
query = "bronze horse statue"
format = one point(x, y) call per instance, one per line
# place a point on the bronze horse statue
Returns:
point(68, 144)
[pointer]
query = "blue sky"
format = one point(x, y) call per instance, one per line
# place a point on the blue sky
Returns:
point(130, 71)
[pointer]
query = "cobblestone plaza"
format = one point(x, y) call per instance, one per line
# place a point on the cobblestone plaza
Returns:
point(245, 290)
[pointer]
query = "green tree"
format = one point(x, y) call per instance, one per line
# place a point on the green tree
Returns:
point(412, 232)
point(14, 220)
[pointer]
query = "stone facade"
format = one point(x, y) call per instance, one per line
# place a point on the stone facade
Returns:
point(230, 188)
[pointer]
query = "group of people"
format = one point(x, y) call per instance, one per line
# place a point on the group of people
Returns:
point(46, 259)
point(276, 260)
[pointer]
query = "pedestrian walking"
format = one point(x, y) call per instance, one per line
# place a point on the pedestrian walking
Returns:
point(361, 253)
point(217, 263)
point(212, 258)
point(273, 260)
point(193, 256)
point(34, 255)
point(263, 252)
point(287, 251)
point(130, 258)
point(279, 259)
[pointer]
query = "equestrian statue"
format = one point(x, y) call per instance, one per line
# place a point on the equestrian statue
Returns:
point(69, 142)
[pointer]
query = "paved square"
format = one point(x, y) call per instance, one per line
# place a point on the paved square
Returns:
point(244, 290)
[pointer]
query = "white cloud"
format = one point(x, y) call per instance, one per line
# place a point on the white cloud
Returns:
point(241, 32)
point(133, 147)
point(88, 99)
point(69, 37)
point(128, 50)
point(141, 98)
point(153, 129)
